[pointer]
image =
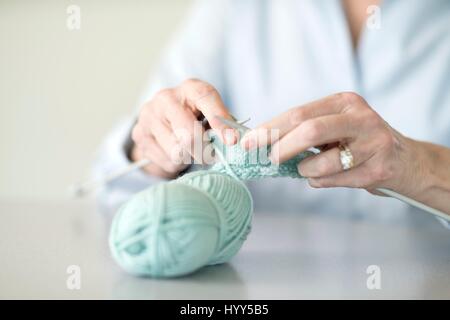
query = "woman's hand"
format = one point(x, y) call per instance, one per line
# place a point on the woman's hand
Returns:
point(168, 125)
point(382, 156)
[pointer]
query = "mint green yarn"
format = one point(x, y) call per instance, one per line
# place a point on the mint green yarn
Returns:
point(254, 164)
point(236, 207)
point(167, 230)
point(200, 219)
point(175, 228)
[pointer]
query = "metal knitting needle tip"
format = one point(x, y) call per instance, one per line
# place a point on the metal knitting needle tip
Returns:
point(238, 125)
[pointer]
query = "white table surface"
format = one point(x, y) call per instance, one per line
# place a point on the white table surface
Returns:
point(287, 256)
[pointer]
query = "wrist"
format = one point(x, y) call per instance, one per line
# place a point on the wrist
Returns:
point(411, 167)
point(437, 172)
point(431, 181)
point(421, 180)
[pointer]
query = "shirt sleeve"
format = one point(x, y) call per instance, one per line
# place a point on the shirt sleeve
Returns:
point(195, 52)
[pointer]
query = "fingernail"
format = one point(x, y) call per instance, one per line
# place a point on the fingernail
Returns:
point(300, 171)
point(304, 167)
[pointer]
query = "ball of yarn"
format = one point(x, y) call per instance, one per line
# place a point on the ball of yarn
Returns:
point(175, 228)
point(200, 219)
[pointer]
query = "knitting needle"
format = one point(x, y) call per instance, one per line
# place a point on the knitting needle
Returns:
point(84, 188)
point(234, 124)
point(414, 203)
point(384, 191)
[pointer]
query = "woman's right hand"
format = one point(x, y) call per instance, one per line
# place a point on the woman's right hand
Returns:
point(168, 126)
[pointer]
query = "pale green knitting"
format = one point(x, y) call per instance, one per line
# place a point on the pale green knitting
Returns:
point(254, 164)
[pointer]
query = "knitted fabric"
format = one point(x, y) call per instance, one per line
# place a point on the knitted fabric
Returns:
point(253, 164)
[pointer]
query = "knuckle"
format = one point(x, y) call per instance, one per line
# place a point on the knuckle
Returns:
point(190, 82)
point(350, 97)
point(387, 140)
point(165, 95)
point(350, 101)
point(204, 89)
point(199, 89)
point(371, 120)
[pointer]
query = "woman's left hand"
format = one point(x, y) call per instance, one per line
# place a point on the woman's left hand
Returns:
point(382, 157)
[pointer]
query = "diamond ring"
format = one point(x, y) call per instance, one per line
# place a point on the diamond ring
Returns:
point(346, 157)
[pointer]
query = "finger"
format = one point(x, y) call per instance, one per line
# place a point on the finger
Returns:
point(180, 118)
point(204, 97)
point(152, 150)
point(292, 118)
point(168, 142)
point(354, 178)
point(186, 128)
point(312, 133)
point(328, 162)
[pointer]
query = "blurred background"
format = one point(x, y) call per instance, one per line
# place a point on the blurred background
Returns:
point(61, 90)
